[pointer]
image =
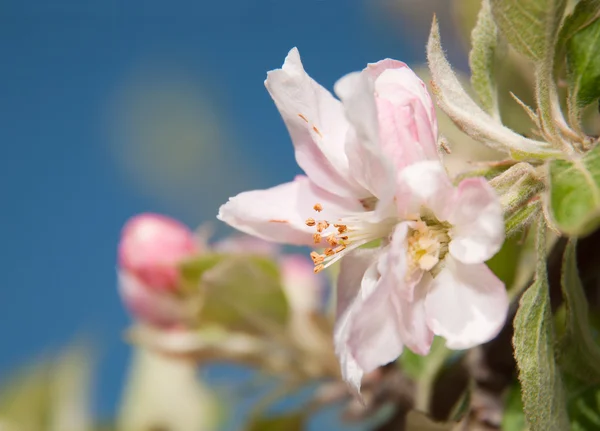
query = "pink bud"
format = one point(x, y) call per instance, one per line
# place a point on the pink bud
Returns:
point(151, 247)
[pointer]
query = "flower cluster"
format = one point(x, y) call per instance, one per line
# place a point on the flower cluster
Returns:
point(374, 176)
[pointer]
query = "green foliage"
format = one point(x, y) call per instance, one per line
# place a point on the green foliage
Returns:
point(529, 24)
point(585, 12)
point(584, 410)
point(513, 418)
point(578, 354)
point(543, 393)
point(243, 293)
point(584, 65)
point(239, 292)
point(574, 200)
point(482, 57)
point(52, 395)
point(287, 422)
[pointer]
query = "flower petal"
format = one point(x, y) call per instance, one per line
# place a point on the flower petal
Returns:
point(405, 292)
point(357, 268)
point(366, 334)
point(466, 304)
point(478, 231)
point(367, 162)
point(424, 184)
point(279, 214)
point(149, 305)
point(407, 120)
point(317, 126)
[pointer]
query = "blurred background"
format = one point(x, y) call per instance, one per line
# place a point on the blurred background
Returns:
point(109, 109)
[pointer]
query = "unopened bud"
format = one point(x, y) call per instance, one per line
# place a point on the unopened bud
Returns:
point(152, 246)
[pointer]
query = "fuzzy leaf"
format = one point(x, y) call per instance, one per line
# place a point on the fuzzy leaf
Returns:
point(243, 293)
point(584, 65)
point(481, 59)
point(513, 418)
point(578, 354)
point(574, 200)
point(544, 399)
point(529, 24)
point(467, 115)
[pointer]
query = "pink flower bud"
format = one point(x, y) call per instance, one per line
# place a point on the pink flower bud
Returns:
point(151, 247)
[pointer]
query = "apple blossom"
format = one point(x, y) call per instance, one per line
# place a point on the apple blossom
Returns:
point(150, 250)
point(373, 173)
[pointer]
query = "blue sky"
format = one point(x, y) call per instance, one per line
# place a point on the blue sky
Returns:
point(73, 74)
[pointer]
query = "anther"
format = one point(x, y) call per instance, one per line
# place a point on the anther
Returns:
point(310, 221)
point(318, 207)
point(339, 248)
point(316, 257)
point(317, 238)
point(319, 268)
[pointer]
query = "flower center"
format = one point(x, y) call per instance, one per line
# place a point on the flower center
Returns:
point(427, 244)
point(427, 241)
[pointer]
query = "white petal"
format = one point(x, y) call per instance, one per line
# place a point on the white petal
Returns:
point(353, 268)
point(366, 334)
point(466, 304)
point(478, 231)
point(317, 126)
point(358, 267)
point(279, 214)
point(367, 162)
point(424, 184)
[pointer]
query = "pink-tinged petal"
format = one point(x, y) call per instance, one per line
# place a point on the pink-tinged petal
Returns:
point(466, 304)
point(367, 162)
point(352, 271)
point(356, 269)
point(151, 306)
point(424, 184)
point(279, 214)
point(478, 231)
point(317, 126)
point(414, 329)
point(396, 263)
point(151, 247)
point(404, 291)
point(407, 121)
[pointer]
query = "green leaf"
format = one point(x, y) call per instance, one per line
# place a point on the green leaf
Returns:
point(529, 25)
point(584, 409)
point(514, 417)
point(192, 269)
point(578, 354)
point(467, 115)
point(289, 422)
point(574, 195)
point(584, 65)
point(244, 293)
point(484, 40)
point(585, 12)
point(504, 263)
point(543, 393)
